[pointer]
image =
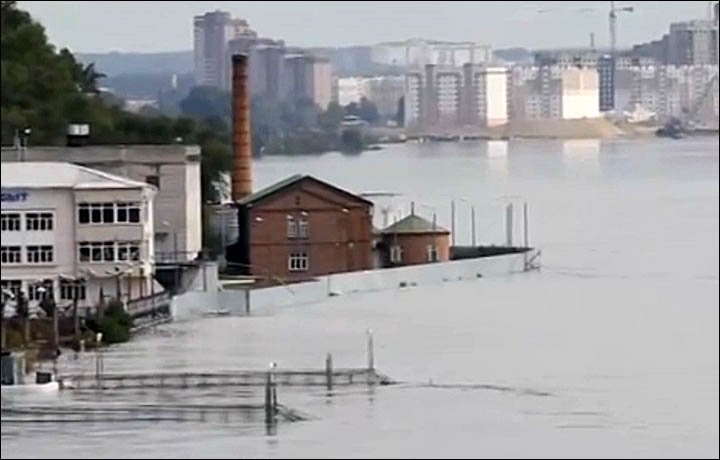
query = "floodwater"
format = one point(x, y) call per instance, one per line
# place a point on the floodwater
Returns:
point(611, 350)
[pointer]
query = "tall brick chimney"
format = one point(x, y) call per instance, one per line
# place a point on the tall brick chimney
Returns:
point(241, 137)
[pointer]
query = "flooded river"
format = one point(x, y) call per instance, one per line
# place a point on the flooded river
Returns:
point(610, 350)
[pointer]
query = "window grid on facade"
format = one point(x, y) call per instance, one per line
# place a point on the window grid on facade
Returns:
point(39, 221)
point(10, 255)
point(396, 254)
point(37, 290)
point(70, 289)
point(108, 213)
point(108, 251)
point(12, 286)
point(298, 262)
point(10, 222)
point(39, 254)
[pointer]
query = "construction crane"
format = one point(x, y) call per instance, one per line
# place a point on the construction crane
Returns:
point(678, 127)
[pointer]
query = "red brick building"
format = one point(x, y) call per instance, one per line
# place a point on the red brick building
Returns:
point(302, 227)
point(414, 240)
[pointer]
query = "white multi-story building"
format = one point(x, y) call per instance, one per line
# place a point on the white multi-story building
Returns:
point(173, 169)
point(555, 92)
point(77, 231)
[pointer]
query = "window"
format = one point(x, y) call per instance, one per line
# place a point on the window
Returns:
point(128, 212)
point(10, 222)
point(108, 213)
point(84, 213)
point(84, 252)
point(432, 253)
point(39, 221)
point(396, 254)
point(303, 228)
point(12, 286)
point(96, 251)
point(108, 251)
point(70, 289)
point(292, 230)
point(129, 250)
point(298, 262)
point(39, 254)
point(10, 255)
point(96, 213)
point(35, 290)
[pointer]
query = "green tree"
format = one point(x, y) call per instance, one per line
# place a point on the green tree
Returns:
point(330, 119)
point(206, 101)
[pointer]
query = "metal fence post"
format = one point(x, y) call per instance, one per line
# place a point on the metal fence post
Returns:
point(328, 371)
point(370, 350)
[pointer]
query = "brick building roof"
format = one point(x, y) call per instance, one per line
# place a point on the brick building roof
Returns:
point(414, 224)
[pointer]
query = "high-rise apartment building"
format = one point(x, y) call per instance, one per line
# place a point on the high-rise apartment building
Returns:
point(212, 33)
point(555, 92)
point(444, 97)
point(307, 77)
point(693, 43)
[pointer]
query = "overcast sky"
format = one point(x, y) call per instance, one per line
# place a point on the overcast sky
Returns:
point(167, 26)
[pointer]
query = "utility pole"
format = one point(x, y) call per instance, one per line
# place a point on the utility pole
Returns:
point(509, 225)
point(472, 225)
point(525, 215)
point(76, 320)
point(452, 219)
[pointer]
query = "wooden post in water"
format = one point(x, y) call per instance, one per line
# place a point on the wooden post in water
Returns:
point(509, 225)
point(525, 215)
point(268, 398)
point(370, 351)
point(328, 371)
point(273, 382)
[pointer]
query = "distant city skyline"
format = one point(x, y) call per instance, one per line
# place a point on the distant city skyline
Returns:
point(157, 27)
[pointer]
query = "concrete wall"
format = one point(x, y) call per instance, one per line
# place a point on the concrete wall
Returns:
point(194, 304)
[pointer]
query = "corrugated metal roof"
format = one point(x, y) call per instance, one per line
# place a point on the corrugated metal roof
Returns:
point(277, 186)
point(414, 224)
point(41, 174)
